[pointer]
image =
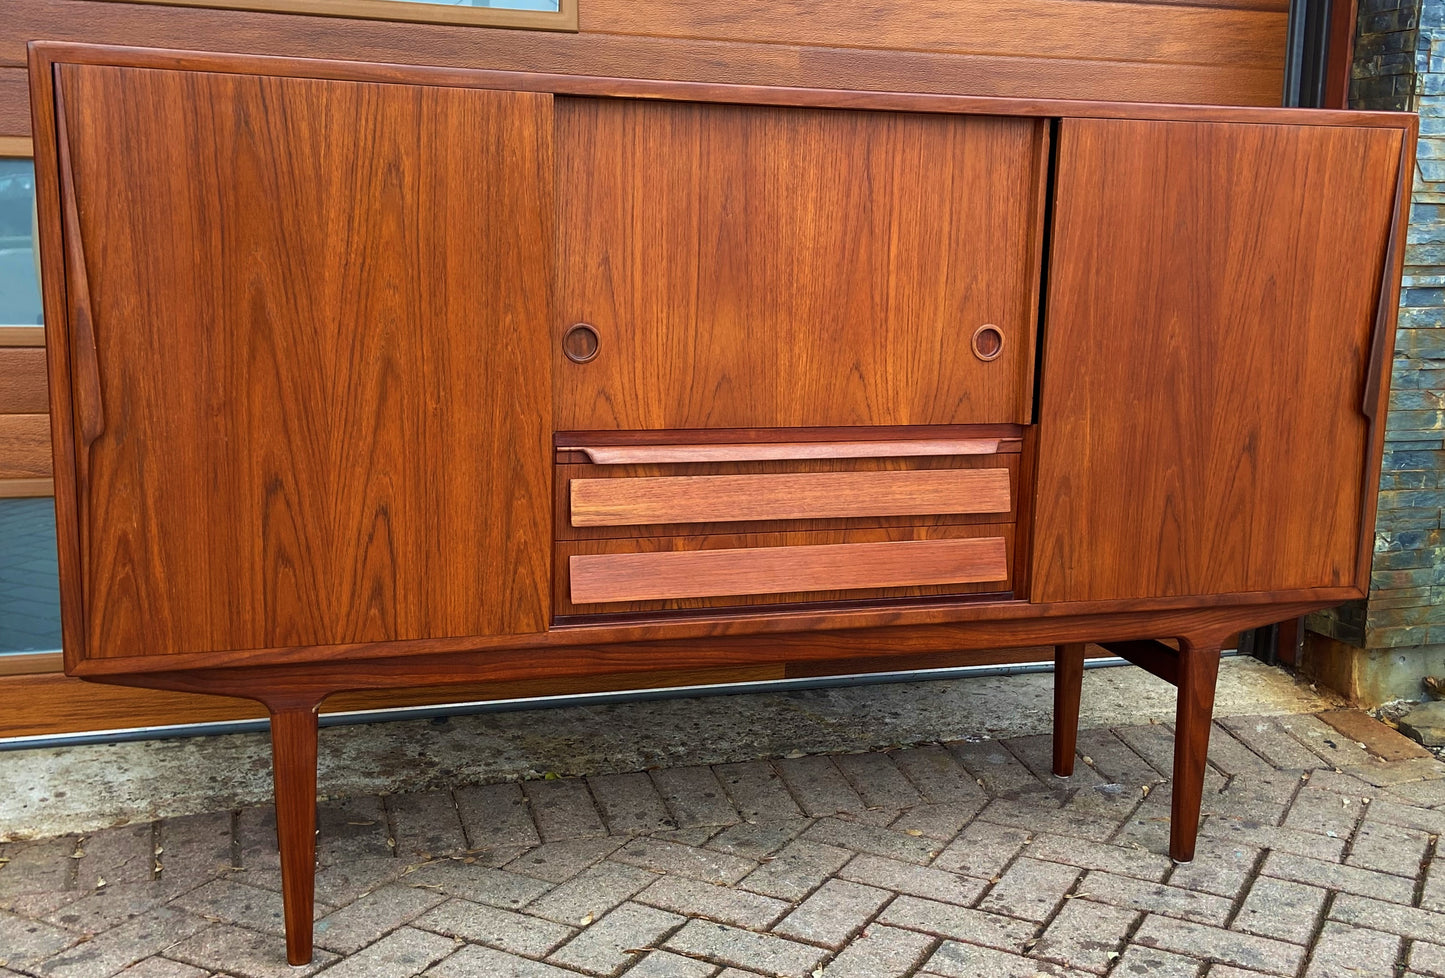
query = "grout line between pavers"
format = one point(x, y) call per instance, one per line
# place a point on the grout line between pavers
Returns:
point(1317, 931)
point(1245, 889)
point(236, 864)
point(389, 817)
point(1432, 846)
point(1128, 941)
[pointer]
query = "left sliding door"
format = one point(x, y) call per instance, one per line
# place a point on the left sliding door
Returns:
point(305, 365)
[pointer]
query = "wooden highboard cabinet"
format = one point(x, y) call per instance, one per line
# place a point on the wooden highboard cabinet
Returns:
point(366, 376)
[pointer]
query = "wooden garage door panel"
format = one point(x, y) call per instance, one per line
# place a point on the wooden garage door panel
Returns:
point(1211, 299)
point(325, 395)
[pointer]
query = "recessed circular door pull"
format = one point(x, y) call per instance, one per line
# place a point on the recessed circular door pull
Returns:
point(580, 342)
point(987, 342)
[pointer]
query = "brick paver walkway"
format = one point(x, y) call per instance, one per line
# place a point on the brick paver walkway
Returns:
point(1318, 857)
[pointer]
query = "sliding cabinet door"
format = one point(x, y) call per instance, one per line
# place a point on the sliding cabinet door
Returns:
point(314, 404)
point(1210, 313)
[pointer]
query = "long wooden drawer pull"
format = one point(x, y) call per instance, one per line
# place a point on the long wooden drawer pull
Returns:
point(783, 451)
point(600, 578)
point(789, 496)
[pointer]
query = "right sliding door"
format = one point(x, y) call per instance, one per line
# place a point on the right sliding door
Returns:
point(1210, 309)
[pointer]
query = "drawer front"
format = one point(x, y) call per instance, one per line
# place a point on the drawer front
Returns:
point(675, 573)
point(788, 496)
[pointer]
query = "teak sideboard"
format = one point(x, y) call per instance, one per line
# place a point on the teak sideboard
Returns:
point(368, 376)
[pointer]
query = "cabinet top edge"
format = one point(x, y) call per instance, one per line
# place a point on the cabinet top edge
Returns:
point(44, 54)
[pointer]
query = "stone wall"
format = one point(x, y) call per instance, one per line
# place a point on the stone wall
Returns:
point(1398, 634)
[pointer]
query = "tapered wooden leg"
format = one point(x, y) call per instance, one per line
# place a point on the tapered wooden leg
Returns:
point(1068, 686)
point(293, 761)
point(1193, 716)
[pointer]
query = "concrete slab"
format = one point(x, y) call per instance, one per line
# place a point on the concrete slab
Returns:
point(83, 788)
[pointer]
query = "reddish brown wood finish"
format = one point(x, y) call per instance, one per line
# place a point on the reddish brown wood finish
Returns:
point(293, 763)
point(1193, 717)
point(790, 451)
point(298, 436)
point(1068, 687)
point(641, 574)
point(22, 381)
point(24, 446)
point(774, 267)
point(1159, 473)
point(802, 496)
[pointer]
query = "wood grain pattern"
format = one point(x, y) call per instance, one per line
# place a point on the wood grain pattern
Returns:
point(22, 381)
point(309, 317)
point(567, 473)
point(293, 764)
point(772, 537)
point(759, 451)
point(1215, 69)
point(24, 446)
point(21, 336)
point(14, 102)
point(1198, 670)
point(1186, 257)
point(783, 267)
point(728, 498)
point(599, 578)
point(26, 488)
point(1068, 688)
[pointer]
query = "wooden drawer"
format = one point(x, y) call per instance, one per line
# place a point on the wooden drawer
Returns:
point(779, 485)
point(674, 573)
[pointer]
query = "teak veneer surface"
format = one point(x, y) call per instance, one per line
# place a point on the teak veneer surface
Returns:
point(25, 446)
point(22, 381)
point(311, 385)
point(747, 266)
point(788, 496)
point(1211, 306)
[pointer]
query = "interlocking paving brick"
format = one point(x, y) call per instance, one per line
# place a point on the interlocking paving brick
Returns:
point(665, 964)
point(1280, 909)
point(757, 791)
point(22, 939)
point(1036, 753)
point(594, 891)
point(1228, 947)
point(834, 912)
point(123, 855)
point(713, 902)
point(37, 867)
point(1085, 935)
point(196, 847)
point(1173, 901)
point(881, 952)
point(1399, 772)
point(1324, 812)
point(1085, 854)
point(630, 805)
point(400, 954)
point(708, 865)
point(1409, 816)
point(358, 924)
point(1030, 889)
point(1270, 737)
point(819, 787)
point(1250, 833)
point(344, 881)
point(694, 796)
point(479, 884)
point(959, 923)
point(558, 862)
point(1432, 895)
point(1221, 866)
point(1388, 848)
point(1138, 961)
point(871, 838)
point(1420, 794)
point(514, 932)
point(497, 813)
point(758, 840)
point(1261, 798)
point(936, 773)
point(798, 869)
point(426, 823)
point(1343, 951)
point(760, 952)
point(991, 763)
point(901, 877)
point(484, 962)
point(878, 781)
point(1115, 760)
point(1036, 815)
point(1427, 958)
point(1233, 755)
point(616, 939)
point(982, 849)
point(108, 906)
point(236, 903)
point(245, 953)
point(941, 821)
point(351, 828)
point(1348, 879)
point(122, 946)
point(1336, 749)
point(1411, 922)
point(161, 968)
point(957, 960)
point(563, 809)
point(1155, 743)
